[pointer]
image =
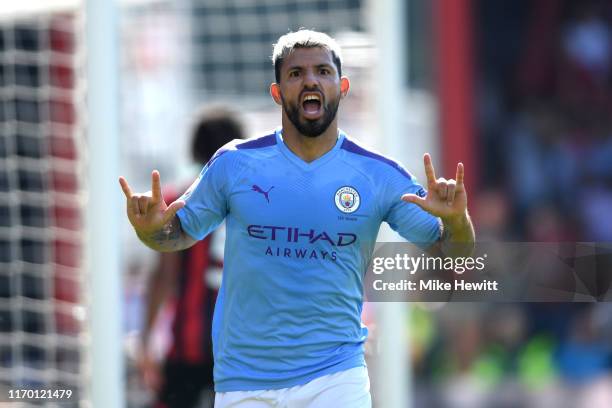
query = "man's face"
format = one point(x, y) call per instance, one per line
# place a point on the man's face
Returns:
point(310, 89)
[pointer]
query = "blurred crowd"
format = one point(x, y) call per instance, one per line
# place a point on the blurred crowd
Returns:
point(509, 355)
point(544, 115)
point(545, 120)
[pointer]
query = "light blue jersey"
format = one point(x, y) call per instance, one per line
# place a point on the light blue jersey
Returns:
point(299, 239)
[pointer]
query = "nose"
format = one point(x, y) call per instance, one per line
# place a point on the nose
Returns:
point(310, 79)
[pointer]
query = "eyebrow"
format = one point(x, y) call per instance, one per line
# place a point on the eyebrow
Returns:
point(325, 65)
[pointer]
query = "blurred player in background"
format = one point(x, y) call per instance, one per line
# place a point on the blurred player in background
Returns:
point(303, 206)
point(191, 278)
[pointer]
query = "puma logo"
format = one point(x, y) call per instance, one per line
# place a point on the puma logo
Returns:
point(258, 189)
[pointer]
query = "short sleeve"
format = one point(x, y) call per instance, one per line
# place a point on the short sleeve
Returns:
point(407, 219)
point(206, 199)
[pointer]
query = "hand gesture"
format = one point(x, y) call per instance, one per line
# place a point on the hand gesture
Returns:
point(148, 212)
point(446, 199)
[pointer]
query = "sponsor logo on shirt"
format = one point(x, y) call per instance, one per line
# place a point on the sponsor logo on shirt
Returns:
point(283, 235)
point(295, 234)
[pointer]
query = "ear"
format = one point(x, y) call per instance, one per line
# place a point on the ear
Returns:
point(345, 84)
point(276, 93)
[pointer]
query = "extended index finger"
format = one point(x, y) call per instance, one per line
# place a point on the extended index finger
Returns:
point(155, 186)
point(430, 173)
point(125, 187)
point(460, 173)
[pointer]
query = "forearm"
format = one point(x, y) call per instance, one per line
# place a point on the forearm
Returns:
point(169, 238)
point(458, 236)
point(160, 285)
point(153, 302)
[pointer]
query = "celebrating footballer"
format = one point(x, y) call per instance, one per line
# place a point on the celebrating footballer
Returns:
point(302, 207)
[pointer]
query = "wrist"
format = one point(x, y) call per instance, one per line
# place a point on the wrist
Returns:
point(142, 235)
point(456, 221)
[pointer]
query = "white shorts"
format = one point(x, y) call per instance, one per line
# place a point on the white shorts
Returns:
point(344, 389)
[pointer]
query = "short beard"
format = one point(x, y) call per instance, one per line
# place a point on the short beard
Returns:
point(312, 128)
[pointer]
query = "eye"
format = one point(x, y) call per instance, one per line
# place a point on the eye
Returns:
point(294, 74)
point(324, 71)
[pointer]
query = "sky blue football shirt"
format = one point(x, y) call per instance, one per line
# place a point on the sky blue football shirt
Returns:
point(299, 239)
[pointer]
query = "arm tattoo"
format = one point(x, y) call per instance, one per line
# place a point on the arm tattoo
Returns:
point(169, 238)
point(170, 232)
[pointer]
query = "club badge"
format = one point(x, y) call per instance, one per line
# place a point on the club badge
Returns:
point(347, 199)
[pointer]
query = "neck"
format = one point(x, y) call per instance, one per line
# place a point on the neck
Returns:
point(309, 148)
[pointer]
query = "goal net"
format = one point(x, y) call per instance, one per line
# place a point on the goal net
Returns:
point(41, 230)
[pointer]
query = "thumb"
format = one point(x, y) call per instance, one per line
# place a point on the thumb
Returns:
point(172, 209)
point(415, 199)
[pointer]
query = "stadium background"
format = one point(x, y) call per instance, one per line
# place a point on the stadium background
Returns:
point(518, 90)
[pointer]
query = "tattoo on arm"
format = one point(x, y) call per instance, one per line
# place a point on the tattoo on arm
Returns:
point(170, 232)
point(169, 238)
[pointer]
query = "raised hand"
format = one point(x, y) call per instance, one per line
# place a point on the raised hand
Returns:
point(446, 199)
point(148, 212)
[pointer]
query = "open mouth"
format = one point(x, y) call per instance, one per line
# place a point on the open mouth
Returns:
point(311, 104)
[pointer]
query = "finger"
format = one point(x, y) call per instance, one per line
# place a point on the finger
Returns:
point(143, 204)
point(156, 186)
point(125, 187)
point(450, 198)
point(172, 209)
point(442, 188)
point(460, 174)
point(133, 206)
point(415, 199)
point(430, 173)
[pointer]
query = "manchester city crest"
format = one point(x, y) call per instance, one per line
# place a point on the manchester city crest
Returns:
point(347, 199)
